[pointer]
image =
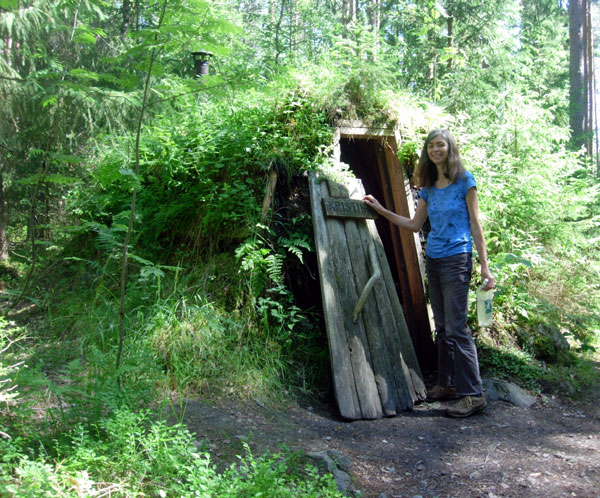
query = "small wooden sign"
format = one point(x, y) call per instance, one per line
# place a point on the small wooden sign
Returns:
point(347, 208)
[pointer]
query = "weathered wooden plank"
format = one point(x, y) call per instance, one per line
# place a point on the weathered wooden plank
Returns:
point(360, 358)
point(380, 358)
point(392, 312)
point(409, 357)
point(393, 329)
point(358, 129)
point(339, 349)
point(406, 346)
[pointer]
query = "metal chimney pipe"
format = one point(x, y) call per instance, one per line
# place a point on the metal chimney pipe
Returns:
point(201, 65)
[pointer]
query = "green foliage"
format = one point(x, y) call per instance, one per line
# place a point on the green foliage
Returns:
point(540, 226)
point(262, 259)
point(512, 364)
point(74, 74)
point(95, 427)
point(202, 181)
point(276, 475)
point(131, 453)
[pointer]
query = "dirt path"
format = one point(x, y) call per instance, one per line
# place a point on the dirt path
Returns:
point(549, 450)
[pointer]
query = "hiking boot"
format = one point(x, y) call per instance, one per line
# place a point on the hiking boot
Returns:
point(438, 393)
point(465, 406)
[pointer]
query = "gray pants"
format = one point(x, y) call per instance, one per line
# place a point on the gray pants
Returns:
point(449, 295)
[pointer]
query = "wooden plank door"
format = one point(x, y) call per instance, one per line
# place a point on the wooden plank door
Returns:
point(374, 365)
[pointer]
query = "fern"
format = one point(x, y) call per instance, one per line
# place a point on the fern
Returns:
point(295, 245)
point(274, 267)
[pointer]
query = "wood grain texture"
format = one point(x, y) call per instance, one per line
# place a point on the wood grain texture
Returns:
point(339, 352)
point(374, 366)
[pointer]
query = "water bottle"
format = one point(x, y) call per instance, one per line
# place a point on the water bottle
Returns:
point(485, 300)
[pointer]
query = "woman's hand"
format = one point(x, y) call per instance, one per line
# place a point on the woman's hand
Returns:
point(373, 203)
point(486, 274)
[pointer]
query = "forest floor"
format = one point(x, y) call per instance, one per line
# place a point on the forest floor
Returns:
point(551, 449)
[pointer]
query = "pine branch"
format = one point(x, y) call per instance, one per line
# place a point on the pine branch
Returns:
point(20, 80)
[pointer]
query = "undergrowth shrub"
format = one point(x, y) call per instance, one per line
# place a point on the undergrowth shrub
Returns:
point(262, 258)
point(512, 364)
point(203, 174)
point(133, 453)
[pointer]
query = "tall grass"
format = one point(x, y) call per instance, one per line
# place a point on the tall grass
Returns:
point(75, 432)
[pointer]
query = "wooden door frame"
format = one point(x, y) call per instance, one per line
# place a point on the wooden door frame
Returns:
point(407, 249)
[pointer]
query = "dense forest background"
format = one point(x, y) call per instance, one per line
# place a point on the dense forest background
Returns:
point(139, 258)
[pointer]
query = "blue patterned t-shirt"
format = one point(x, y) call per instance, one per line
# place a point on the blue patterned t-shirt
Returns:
point(449, 218)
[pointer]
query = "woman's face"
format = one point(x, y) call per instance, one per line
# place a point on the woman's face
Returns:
point(437, 150)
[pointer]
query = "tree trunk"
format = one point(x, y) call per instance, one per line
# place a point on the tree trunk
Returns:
point(294, 26)
point(375, 25)
point(128, 234)
point(126, 17)
point(137, 16)
point(349, 12)
point(47, 209)
point(590, 77)
point(3, 239)
point(450, 23)
point(278, 32)
point(432, 67)
point(577, 103)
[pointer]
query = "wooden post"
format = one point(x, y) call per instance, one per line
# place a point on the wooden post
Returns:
point(422, 339)
point(268, 200)
point(343, 376)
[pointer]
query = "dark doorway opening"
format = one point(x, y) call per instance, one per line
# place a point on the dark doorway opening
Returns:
point(373, 161)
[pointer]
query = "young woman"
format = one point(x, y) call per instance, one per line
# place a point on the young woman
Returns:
point(449, 197)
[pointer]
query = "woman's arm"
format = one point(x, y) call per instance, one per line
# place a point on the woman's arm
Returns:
point(415, 223)
point(478, 238)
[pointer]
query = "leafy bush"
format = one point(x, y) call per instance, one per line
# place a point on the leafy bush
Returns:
point(131, 453)
point(512, 364)
point(277, 475)
point(202, 175)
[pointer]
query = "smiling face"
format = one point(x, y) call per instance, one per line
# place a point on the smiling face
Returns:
point(437, 150)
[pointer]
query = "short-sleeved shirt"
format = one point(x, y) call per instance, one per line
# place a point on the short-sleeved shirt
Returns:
point(449, 218)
